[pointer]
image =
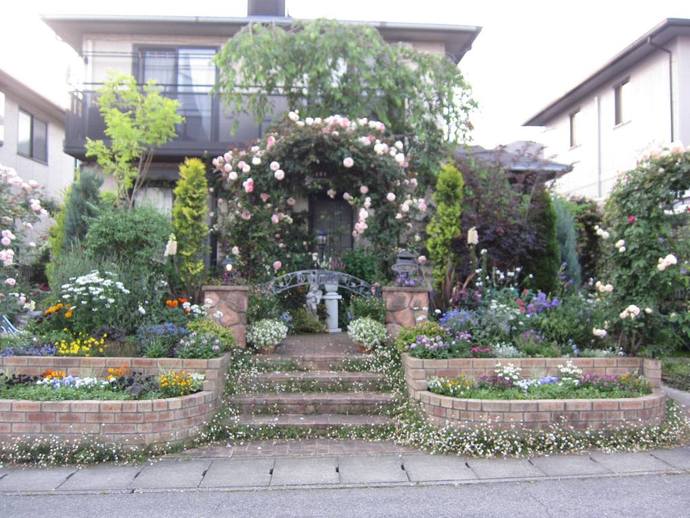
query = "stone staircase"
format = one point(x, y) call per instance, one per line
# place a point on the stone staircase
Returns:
point(314, 383)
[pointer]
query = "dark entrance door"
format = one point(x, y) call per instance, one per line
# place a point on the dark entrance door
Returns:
point(334, 219)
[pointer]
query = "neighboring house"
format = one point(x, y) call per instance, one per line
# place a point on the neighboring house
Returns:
point(177, 52)
point(523, 161)
point(31, 137)
point(639, 101)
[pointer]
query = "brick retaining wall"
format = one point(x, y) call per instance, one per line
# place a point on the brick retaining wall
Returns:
point(539, 414)
point(132, 422)
point(418, 371)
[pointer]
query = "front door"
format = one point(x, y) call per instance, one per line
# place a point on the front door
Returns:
point(333, 218)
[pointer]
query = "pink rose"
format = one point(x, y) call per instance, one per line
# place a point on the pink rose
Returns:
point(10, 281)
point(264, 197)
point(248, 185)
point(277, 265)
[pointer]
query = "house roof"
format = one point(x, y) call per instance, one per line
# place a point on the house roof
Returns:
point(516, 157)
point(661, 34)
point(71, 28)
point(20, 91)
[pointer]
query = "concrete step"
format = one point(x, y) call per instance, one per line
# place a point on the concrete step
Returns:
point(308, 403)
point(314, 421)
point(314, 361)
point(307, 381)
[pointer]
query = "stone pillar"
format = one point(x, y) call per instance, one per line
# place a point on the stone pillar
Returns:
point(232, 303)
point(405, 307)
point(331, 297)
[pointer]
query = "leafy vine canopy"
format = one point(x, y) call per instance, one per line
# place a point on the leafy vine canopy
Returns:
point(261, 218)
point(326, 67)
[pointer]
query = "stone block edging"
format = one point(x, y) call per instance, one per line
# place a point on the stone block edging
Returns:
point(580, 414)
point(140, 422)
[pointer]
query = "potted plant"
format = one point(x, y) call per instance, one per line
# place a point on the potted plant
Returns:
point(265, 335)
point(367, 333)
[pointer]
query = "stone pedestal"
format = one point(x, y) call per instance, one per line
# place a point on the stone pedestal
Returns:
point(228, 306)
point(405, 307)
point(331, 299)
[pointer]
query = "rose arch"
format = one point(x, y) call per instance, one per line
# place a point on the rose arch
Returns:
point(265, 219)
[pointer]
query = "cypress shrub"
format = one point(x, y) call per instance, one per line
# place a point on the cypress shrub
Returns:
point(567, 240)
point(546, 258)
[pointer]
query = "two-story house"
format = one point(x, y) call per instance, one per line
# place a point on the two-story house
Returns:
point(639, 101)
point(177, 52)
point(31, 137)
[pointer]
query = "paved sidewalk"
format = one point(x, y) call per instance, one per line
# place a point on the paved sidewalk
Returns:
point(244, 472)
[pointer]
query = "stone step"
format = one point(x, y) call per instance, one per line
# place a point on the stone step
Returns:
point(307, 381)
point(314, 421)
point(315, 361)
point(313, 403)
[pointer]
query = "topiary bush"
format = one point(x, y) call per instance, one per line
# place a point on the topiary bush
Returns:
point(546, 258)
point(136, 237)
point(189, 216)
point(444, 227)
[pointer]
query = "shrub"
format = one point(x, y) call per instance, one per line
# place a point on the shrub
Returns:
point(545, 262)
point(408, 335)
point(363, 264)
point(189, 217)
point(367, 332)
point(587, 218)
point(370, 307)
point(266, 334)
point(304, 321)
point(263, 306)
point(208, 326)
point(566, 233)
point(444, 227)
point(199, 346)
point(134, 237)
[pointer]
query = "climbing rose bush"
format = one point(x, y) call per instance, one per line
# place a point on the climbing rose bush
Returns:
point(263, 191)
point(20, 208)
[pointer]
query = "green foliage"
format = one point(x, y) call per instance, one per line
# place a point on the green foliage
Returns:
point(545, 262)
point(71, 263)
point(363, 263)
point(587, 218)
point(640, 211)
point(189, 216)
point(137, 121)
point(367, 333)
point(135, 237)
point(304, 321)
point(199, 345)
point(408, 335)
point(211, 327)
point(333, 67)
point(444, 227)
point(571, 322)
point(675, 372)
point(263, 306)
point(370, 307)
point(566, 233)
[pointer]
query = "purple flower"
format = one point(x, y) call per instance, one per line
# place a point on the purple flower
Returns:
point(549, 380)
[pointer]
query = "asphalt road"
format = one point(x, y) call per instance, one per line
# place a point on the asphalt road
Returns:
point(640, 496)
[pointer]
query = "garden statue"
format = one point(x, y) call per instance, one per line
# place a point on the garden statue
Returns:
point(314, 295)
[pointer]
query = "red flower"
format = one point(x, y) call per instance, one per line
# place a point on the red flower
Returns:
point(632, 219)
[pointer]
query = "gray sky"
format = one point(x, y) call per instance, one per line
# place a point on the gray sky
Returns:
point(528, 53)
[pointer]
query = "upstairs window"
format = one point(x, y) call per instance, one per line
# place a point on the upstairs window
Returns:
point(32, 137)
point(620, 102)
point(574, 121)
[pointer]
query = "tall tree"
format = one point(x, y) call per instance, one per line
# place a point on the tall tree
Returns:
point(324, 67)
point(138, 119)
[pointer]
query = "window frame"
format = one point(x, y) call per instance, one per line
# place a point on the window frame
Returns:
point(572, 128)
point(32, 136)
point(618, 100)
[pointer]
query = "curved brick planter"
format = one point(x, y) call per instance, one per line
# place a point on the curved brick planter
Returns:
point(133, 422)
point(581, 414)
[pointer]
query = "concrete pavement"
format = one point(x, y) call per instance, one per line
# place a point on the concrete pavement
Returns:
point(328, 471)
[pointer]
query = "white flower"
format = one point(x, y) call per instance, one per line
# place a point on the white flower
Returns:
point(279, 175)
point(364, 189)
point(649, 311)
point(235, 250)
point(390, 197)
point(141, 310)
point(232, 176)
point(665, 262)
point(620, 243)
point(274, 166)
point(473, 236)
point(348, 162)
point(171, 246)
point(309, 121)
point(630, 312)
point(294, 116)
point(398, 145)
point(400, 158)
point(599, 333)
point(331, 193)
point(621, 249)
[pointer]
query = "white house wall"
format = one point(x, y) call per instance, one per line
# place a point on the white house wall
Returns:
point(58, 172)
point(646, 124)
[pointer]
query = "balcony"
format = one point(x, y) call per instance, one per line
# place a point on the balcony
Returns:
point(208, 128)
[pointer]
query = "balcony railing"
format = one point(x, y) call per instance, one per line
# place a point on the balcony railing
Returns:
point(208, 128)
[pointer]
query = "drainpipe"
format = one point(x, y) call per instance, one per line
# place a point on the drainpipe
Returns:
point(670, 79)
point(599, 173)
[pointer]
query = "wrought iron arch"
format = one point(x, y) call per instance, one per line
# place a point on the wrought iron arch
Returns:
point(321, 277)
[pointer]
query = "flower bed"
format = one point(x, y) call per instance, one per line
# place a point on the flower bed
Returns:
point(579, 413)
